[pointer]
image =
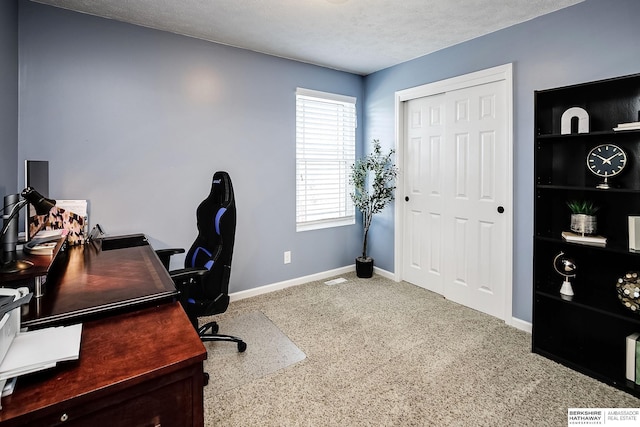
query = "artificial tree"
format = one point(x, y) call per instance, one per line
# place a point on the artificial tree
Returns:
point(373, 178)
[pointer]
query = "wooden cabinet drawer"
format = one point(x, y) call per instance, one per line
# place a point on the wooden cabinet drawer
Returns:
point(150, 404)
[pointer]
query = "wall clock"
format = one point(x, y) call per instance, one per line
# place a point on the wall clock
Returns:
point(605, 161)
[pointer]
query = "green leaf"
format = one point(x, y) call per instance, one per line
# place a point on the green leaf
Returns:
point(585, 207)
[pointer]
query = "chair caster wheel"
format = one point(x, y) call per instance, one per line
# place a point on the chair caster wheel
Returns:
point(242, 346)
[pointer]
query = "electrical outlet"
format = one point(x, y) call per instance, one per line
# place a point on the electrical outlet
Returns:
point(287, 257)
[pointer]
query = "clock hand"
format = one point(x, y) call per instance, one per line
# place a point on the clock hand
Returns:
point(608, 160)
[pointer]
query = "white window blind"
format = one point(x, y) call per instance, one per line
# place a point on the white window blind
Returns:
point(325, 151)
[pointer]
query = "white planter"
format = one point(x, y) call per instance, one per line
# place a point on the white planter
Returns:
point(583, 224)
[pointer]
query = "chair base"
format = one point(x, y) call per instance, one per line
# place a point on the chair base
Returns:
point(209, 332)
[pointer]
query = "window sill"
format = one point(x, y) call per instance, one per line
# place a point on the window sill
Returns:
point(317, 225)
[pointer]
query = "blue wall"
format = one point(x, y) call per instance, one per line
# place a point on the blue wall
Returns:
point(137, 120)
point(589, 41)
point(8, 98)
point(122, 111)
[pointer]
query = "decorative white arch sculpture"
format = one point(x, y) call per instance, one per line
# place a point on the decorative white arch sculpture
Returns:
point(567, 116)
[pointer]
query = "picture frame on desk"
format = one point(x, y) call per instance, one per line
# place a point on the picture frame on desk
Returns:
point(70, 215)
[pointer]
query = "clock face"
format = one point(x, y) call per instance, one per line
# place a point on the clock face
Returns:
point(606, 160)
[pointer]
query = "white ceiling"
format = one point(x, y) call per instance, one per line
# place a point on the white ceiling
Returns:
point(358, 36)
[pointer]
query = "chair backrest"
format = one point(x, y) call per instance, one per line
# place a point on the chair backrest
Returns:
point(213, 248)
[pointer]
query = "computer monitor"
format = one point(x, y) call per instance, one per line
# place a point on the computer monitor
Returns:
point(37, 176)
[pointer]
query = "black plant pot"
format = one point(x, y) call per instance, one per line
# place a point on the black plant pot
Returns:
point(364, 267)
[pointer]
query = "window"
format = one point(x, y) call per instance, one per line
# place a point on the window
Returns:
point(325, 151)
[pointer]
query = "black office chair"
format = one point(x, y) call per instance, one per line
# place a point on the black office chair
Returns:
point(203, 284)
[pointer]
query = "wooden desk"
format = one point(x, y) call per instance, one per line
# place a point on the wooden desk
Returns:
point(142, 368)
point(140, 362)
point(87, 282)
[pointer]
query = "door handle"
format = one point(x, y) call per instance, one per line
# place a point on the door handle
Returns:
point(406, 198)
point(500, 209)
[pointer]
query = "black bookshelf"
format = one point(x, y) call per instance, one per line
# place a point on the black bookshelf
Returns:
point(586, 332)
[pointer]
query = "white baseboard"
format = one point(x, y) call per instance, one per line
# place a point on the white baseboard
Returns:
point(383, 273)
point(289, 283)
point(521, 324)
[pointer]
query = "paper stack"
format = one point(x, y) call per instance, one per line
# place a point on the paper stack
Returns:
point(41, 349)
point(37, 247)
point(45, 242)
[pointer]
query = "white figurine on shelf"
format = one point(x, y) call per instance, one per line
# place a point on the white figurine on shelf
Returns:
point(567, 117)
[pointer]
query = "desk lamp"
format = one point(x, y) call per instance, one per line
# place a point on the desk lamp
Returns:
point(9, 234)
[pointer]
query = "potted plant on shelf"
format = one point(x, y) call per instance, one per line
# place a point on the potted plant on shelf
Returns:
point(583, 216)
point(373, 178)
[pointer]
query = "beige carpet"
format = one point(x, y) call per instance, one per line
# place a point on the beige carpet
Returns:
point(381, 353)
point(268, 351)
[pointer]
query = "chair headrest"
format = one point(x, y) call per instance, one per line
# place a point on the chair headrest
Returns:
point(221, 189)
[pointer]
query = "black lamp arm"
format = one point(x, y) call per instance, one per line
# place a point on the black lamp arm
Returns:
point(29, 195)
point(8, 217)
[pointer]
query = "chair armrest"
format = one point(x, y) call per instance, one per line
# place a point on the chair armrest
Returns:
point(185, 274)
point(197, 302)
point(188, 282)
point(165, 255)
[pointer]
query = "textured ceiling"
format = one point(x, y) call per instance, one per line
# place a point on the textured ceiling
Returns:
point(358, 36)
